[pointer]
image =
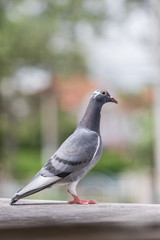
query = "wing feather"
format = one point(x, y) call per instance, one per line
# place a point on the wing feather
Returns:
point(74, 154)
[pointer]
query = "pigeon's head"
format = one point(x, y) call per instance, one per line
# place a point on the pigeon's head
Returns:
point(102, 96)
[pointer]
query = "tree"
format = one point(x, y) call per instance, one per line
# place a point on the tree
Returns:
point(42, 34)
point(45, 33)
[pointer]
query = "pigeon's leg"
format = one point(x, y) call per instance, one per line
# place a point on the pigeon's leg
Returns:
point(72, 190)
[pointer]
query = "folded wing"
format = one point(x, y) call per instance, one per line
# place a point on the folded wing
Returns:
point(74, 154)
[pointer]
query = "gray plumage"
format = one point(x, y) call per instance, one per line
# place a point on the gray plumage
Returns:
point(76, 156)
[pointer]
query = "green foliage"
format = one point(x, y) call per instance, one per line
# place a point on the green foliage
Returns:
point(41, 34)
point(143, 150)
point(27, 163)
point(49, 38)
point(46, 37)
point(28, 132)
point(19, 135)
point(113, 161)
point(66, 126)
point(140, 154)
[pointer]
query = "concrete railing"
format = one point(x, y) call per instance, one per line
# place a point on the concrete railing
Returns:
point(45, 220)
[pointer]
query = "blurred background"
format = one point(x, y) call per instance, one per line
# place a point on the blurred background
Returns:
point(53, 55)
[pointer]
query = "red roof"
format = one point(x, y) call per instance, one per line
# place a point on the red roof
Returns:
point(71, 91)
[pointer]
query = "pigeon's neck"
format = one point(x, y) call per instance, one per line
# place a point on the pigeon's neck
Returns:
point(91, 118)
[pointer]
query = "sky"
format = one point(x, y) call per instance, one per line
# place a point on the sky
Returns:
point(124, 54)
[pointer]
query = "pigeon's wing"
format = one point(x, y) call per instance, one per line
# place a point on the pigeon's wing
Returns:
point(74, 154)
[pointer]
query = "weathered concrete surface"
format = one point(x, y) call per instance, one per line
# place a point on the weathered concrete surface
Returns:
point(37, 219)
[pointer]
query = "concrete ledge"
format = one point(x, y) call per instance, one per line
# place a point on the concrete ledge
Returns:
point(37, 219)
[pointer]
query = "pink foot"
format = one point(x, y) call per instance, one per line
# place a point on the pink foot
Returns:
point(83, 202)
point(72, 202)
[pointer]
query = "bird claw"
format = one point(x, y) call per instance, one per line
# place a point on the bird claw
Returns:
point(83, 202)
point(79, 201)
point(72, 202)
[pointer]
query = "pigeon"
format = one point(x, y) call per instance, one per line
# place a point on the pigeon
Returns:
point(77, 155)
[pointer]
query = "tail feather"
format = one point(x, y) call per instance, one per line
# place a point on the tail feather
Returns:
point(14, 200)
point(35, 186)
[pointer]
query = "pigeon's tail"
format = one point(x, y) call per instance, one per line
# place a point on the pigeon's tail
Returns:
point(18, 195)
point(37, 184)
point(14, 200)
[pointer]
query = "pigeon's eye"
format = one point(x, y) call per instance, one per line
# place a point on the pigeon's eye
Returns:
point(104, 93)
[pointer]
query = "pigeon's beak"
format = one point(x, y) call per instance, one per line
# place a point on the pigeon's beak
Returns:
point(113, 100)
